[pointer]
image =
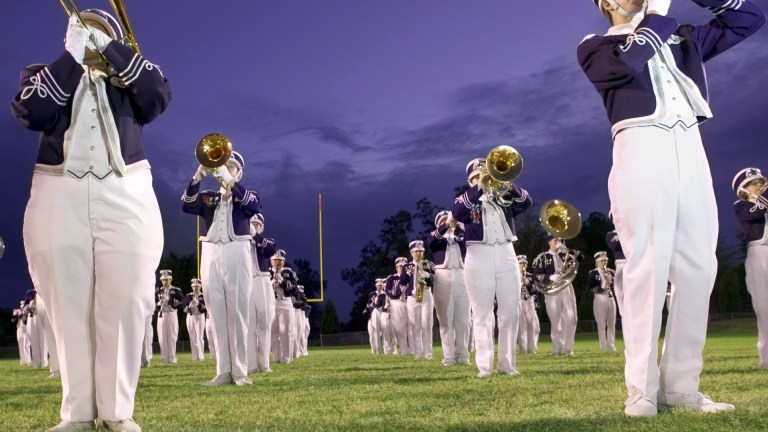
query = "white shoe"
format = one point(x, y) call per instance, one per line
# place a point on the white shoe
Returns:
point(513, 372)
point(639, 405)
point(462, 361)
point(218, 380)
point(265, 370)
point(696, 401)
point(241, 381)
point(448, 362)
point(127, 425)
point(484, 373)
point(66, 426)
point(55, 375)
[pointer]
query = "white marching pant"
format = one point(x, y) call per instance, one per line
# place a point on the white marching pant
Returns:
point(387, 333)
point(283, 330)
point(757, 285)
point(418, 323)
point(225, 270)
point(305, 336)
point(618, 284)
point(50, 340)
point(168, 334)
point(664, 208)
point(561, 311)
point(210, 336)
point(94, 259)
point(491, 271)
point(149, 336)
point(196, 329)
point(398, 319)
point(428, 321)
point(298, 330)
point(372, 335)
point(260, 323)
point(36, 335)
point(604, 309)
point(529, 327)
point(452, 308)
point(25, 356)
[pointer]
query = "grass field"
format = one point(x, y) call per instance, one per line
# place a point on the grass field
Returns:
point(349, 389)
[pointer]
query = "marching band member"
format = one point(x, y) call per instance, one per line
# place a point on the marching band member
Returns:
point(385, 321)
point(284, 284)
point(305, 340)
point(750, 186)
point(262, 298)
point(94, 256)
point(421, 277)
point(451, 300)
point(561, 307)
point(490, 269)
point(369, 311)
point(612, 239)
point(169, 299)
point(601, 283)
point(194, 306)
point(299, 300)
point(395, 287)
point(649, 71)
point(35, 331)
point(19, 319)
point(226, 267)
point(210, 336)
point(528, 338)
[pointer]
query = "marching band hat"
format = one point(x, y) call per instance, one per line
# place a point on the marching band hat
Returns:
point(522, 259)
point(279, 255)
point(442, 214)
point(196, 282)
point(550, 237)
point(745, 176)
point(237, 158)
point(380, 281)
point(602, 255)
point(416, 245)
point(166, 274)
point(104, 19)
point(300, 287)
point(474, 168)
point(401, 261)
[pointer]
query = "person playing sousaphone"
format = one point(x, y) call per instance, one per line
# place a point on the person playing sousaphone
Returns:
point(94, 257)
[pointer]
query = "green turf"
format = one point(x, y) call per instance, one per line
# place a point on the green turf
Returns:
point(349, 389)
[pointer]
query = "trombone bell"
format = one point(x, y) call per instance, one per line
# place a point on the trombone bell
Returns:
point(560, 219)
point(213, 150)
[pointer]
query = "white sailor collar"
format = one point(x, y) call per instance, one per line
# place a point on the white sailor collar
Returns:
point(621, 29)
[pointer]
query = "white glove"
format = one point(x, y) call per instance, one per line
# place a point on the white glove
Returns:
point(200, 173)
point(661, 7)
point(554, 278)
point(223, 173)
point(99, 41)
point(76, 39)
point(253, 230)
point(424, 275)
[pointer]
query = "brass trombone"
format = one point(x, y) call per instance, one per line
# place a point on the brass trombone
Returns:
point(503, 164)
point(117, 5)
point(213, 151)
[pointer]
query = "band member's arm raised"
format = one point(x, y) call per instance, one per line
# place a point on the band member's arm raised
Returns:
point(734, 21)
point(149, 88)
point(609, 65)
point(191, 201)
point(44, 92)
point(521, 200)
point(248, 201)
point(464, 203)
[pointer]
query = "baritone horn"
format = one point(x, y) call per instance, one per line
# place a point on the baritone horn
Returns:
point(503, 164)
point(562, 220)
point(213, 151)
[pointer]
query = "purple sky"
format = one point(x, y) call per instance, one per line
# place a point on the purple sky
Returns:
point(373, 103)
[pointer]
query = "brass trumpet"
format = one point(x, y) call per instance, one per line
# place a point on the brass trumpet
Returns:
point(503, 164)
point(213, 151)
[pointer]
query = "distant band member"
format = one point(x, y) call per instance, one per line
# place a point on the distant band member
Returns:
point(451, 300)
point(370, 312)
point(395, 287)
point(36, 331)
point(262, 298)
point(561, 307)
point(421, 278)
point(92, 229)
point(601, 283)
point(529, 320)
point(751, 210)
point(284, 283)
point(385, 321)
point(612, 239)
point(194, 307)
point(299, 300)
point(226, 266)
point(169, 300)
point(491, 269)
point(19, 319)
point(307, 328)
point(210, 336)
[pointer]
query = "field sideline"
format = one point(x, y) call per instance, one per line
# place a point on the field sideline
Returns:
point(349, 389)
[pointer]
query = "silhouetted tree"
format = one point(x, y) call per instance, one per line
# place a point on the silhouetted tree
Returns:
point(330, 321)
point(310, 279)
point(728, 291)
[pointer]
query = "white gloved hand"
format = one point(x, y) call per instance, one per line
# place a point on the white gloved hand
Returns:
point(661, 7)
point(76, 38)
point(99, 41)
point(554, 278)
point(223, 173)
point(424, 275)
point(253, 230)
point(200, 173)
